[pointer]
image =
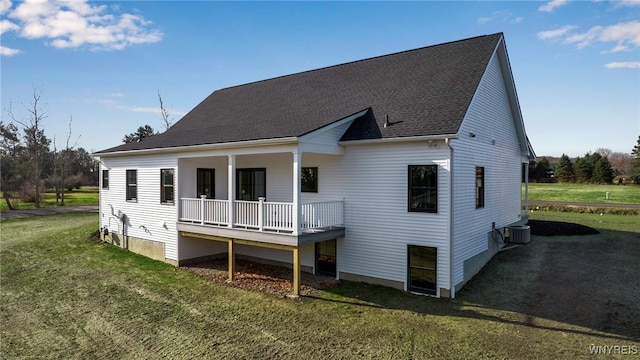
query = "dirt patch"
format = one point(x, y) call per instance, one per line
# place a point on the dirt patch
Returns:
point(559, 228)
point(270, 279)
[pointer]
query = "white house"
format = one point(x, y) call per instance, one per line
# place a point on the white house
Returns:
point(400, 170)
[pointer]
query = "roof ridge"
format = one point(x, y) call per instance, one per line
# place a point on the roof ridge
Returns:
point(360, 60)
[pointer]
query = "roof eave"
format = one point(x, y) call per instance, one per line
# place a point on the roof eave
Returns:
point(202, 147)
point(398, 139)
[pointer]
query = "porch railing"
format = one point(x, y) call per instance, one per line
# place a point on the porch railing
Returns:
point(322, 214)
point(262, 215)
point(216, 212)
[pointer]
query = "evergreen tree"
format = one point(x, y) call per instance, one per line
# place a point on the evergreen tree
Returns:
point(142, 132)
point(602, 172)
point(564, 170)
point(635, 153)
point(635, 162)
point(582, 170)
point(540, 170)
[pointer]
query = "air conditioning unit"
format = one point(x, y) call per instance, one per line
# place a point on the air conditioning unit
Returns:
point(520, 234)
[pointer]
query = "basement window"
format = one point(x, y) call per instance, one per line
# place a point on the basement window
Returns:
point(422, 269)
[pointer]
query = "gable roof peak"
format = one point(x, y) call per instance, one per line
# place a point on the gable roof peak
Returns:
point(425, 91)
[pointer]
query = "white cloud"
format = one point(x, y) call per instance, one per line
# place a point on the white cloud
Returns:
point(502, 15)
point(629, 3)
point(5, 51)
point(623, 65)
point(5, 5)
point(584, 39)
point(152, 110)
point(616, 49)
point(145, 109)
point(115, 103)
point(628, 32)
point(624, 35)
point(551, 5)
point(74, 24)
point(6, 25)
point(553, 34)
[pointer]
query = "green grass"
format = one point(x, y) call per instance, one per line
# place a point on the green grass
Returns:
point(65, 295)
point(86, 195)
point(585, 193)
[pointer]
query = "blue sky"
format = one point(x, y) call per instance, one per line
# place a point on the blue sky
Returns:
point(576, 64)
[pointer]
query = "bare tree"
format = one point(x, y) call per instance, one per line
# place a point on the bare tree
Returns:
point(166, 121)
point(62, 165)
point(36, 143)
point(604, 152)
point(621, 162)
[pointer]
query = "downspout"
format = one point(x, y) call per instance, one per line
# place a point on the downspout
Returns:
point(526, 190)
point(452, 290)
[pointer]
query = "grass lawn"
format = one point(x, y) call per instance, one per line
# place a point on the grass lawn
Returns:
point(64, 295)
point(586, 193)
point(86, 195)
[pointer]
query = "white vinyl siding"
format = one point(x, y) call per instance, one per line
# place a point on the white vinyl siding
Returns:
point(373, 181)
point(487, 138)
point(145, 217)
point(329, 137)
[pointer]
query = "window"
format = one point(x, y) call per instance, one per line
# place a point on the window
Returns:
point(479, 187)
point(206, 183)
point(309, 179)
point(423, 188)
point(251, 184)
point(166, 186)
point(326, 257)
point(132, 185)
point(422, 269)
point(105, 179)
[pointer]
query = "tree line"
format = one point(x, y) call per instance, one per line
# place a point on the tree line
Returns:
point(600, 167)
point(31, 163)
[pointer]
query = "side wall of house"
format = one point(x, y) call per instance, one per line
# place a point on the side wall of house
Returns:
point(148, 224)
point(487, 138)
point(372, 179)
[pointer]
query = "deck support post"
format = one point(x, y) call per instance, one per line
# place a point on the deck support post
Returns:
point(296, 271)
point(232, 260)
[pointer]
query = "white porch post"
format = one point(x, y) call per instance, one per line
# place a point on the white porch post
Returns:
point(231, 186)
point(202, 197)
point(297, 159)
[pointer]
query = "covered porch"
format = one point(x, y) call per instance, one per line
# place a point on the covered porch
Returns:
point(266, 198)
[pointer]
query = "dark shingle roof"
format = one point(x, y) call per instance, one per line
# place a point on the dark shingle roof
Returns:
point(425, 91)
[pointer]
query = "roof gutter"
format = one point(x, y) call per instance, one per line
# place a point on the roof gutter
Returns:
point(398, 139)
point(203, 147)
